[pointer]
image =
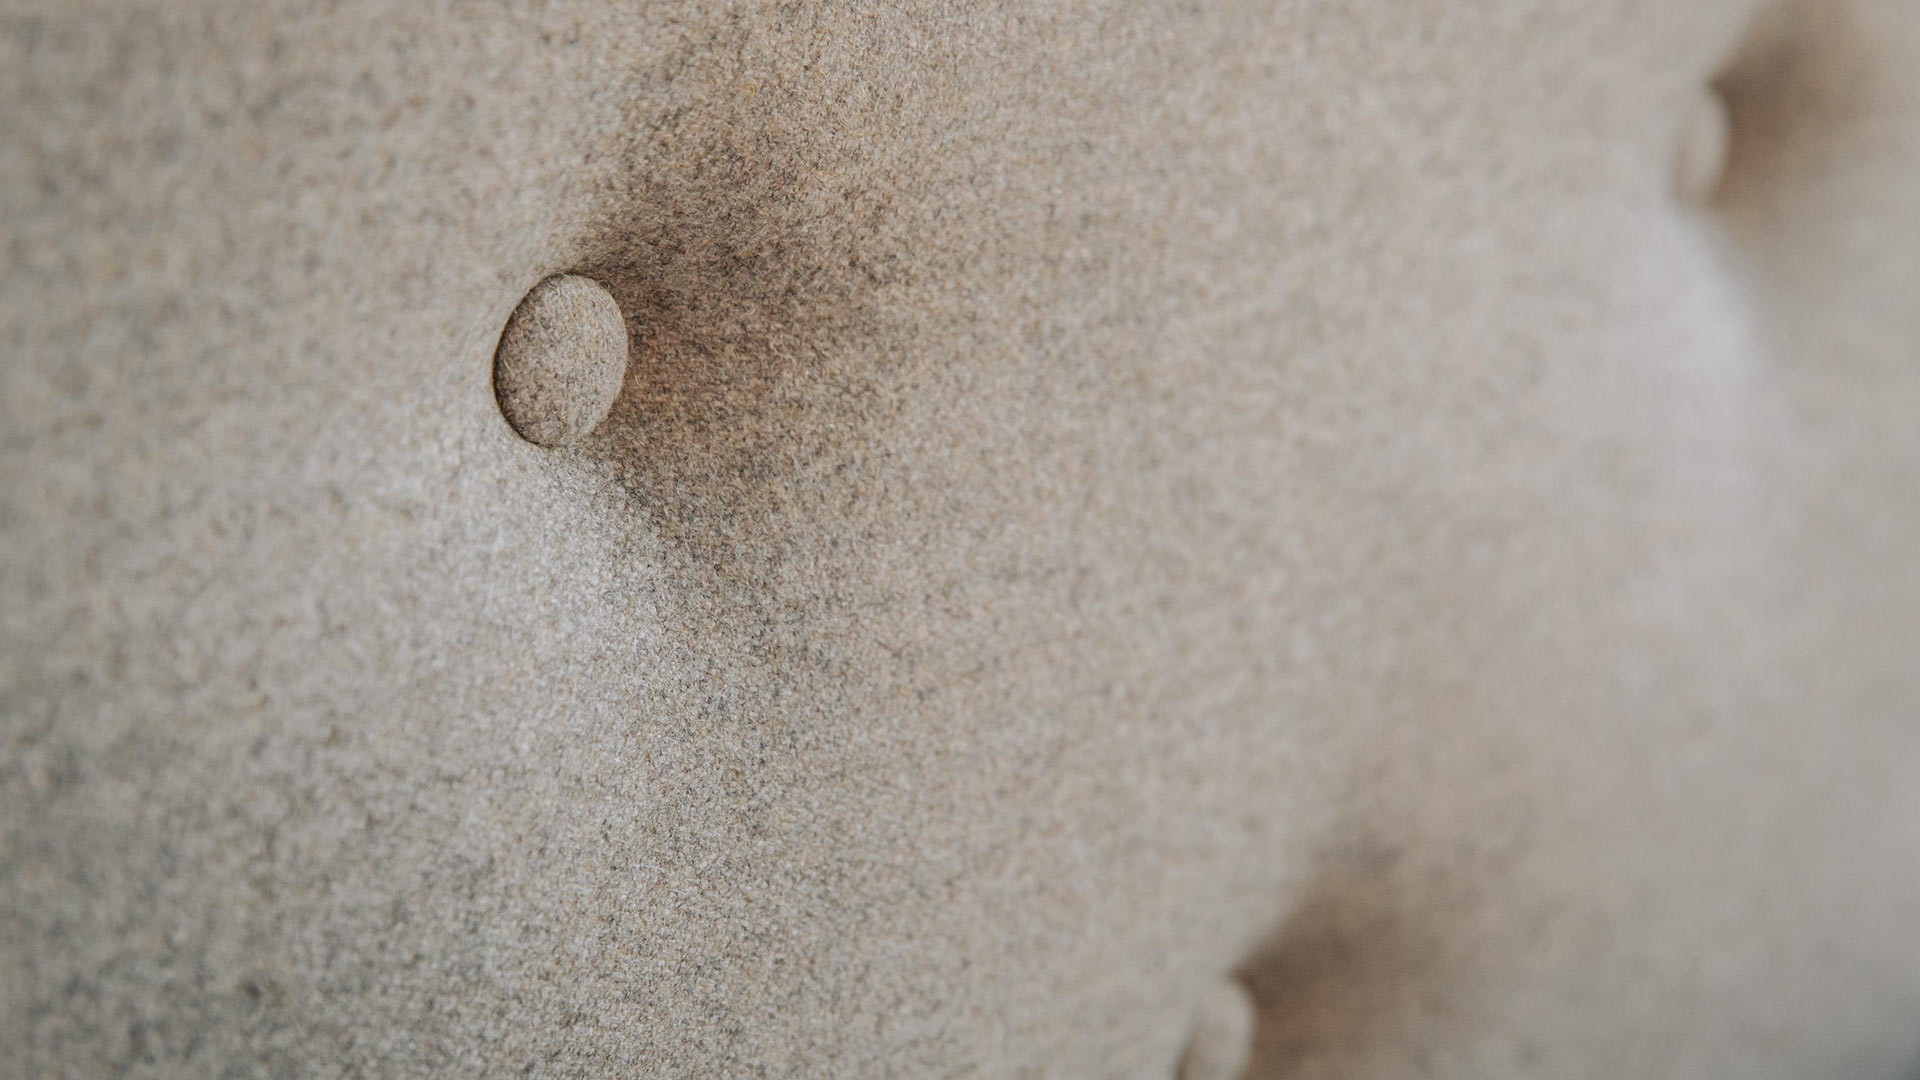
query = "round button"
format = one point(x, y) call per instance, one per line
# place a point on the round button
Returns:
point(561, 360)
point(1700, 159)
point(1221, 1042)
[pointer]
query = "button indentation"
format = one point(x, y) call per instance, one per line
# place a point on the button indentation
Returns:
point(1700, 159)
point(560, 361)
point(1221, 1043)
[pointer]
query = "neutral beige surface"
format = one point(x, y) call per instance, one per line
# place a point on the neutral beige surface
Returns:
point(1103, 495)
point(1220, 1043)
point(562, 361)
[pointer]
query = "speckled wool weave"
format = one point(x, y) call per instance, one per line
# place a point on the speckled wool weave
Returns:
point(561, 360)
point(1103, 496)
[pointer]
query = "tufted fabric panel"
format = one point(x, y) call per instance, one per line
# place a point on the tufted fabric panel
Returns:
point(1409, 507)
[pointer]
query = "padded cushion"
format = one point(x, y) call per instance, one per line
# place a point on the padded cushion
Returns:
point(1102, 497)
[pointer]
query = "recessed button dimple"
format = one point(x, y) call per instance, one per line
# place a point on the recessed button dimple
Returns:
point(1221, 1041)
point(560, 361)
point(1700, 159)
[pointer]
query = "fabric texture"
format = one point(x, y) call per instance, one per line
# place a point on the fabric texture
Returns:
point(1104, 498)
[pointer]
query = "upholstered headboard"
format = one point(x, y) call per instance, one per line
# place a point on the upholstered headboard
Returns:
point(1375, 539)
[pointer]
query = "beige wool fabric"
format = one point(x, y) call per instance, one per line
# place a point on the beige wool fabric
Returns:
point(1105, 498)
point(561, 361)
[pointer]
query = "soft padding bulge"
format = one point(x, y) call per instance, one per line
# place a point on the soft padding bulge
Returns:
point(1105, 505)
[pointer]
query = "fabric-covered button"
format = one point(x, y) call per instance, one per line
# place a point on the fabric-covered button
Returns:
point(560, 361)
point(1700, 159)
point(1222, 1039)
